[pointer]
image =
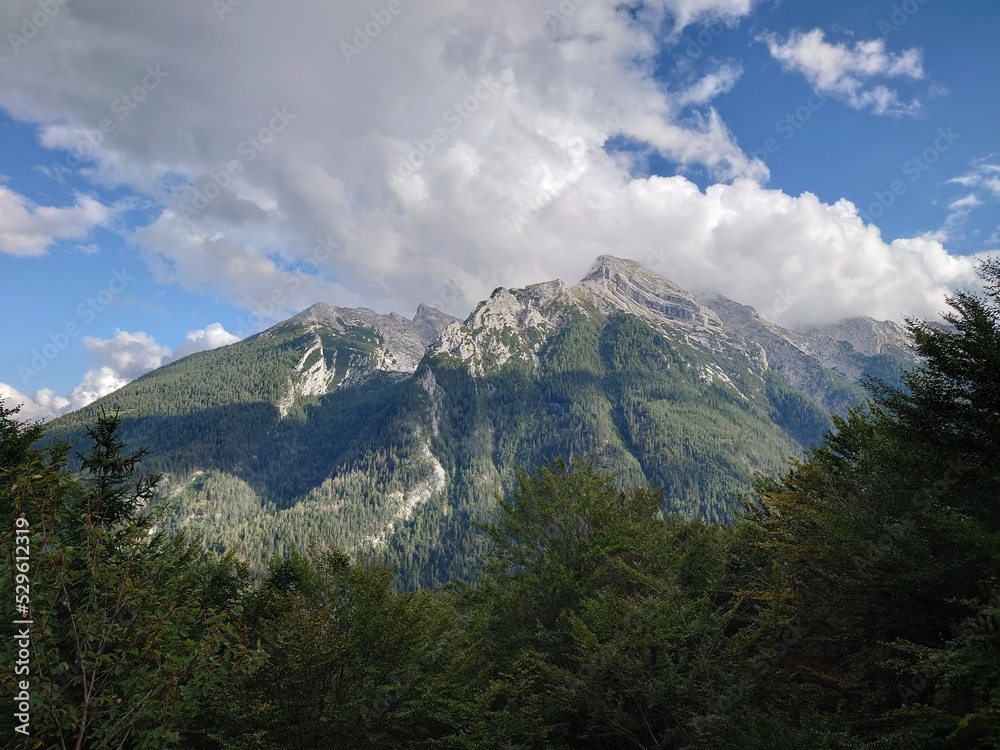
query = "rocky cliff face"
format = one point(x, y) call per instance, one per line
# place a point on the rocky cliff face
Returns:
point(371, 430)
point(430, 322)
point(616, 285)
point(511, 324)
point(514, 324)
point(402, 342)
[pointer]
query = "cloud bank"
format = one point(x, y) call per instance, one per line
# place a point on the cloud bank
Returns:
point(401, 152)
point(120, 359)
point(27, 229)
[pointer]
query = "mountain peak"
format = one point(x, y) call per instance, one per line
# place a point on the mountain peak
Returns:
point(430, 322)
point(609, 266)
point(619, 284)
point(402, 345)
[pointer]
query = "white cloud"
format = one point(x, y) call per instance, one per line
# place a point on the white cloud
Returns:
point(561, 90)
point(710, 86)
point(982, 181)
point(27, 229)
point(127, 355)
point(209, 337)
point(846, 72)
point(96, 384)
point(498, 117)
point(965, 203)
point(43, 405)
point(121, 359)
point(751, 243)
point(984, 175)
point(686, 12)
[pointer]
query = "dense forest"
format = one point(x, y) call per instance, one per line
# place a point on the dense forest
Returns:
point(408, 463)
point(853, 603)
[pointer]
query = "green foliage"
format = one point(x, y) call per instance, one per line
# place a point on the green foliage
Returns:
point(348, 662)
point(854, 604)
point(359, 468)
point(600, 615)
point(129, 626)
point(885, 542)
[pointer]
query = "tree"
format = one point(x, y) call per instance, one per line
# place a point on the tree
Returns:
point(130, 629)
point(602, 623)
point(885, 543)
point(347, 662)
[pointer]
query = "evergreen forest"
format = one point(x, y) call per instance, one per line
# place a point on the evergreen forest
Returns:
point(851, 601)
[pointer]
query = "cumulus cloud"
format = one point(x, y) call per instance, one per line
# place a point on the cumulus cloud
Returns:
point(753, 244)
point(455, 148)
point(126, 354)
point(209, 337)
point(28, 229)
point(95, 384)
point(121, 359)
point(525, 104)
point(42, 405)
point(847, 72)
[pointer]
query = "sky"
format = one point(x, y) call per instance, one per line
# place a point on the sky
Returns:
point(177, 176)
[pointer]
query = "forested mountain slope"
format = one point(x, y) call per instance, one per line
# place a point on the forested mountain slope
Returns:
point(375, 431)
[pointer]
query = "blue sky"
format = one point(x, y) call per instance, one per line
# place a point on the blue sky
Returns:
point(178, 176)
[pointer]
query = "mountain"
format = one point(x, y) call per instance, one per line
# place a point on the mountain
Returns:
point(372, 431)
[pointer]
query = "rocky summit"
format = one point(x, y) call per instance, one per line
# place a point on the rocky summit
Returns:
point(379, 432)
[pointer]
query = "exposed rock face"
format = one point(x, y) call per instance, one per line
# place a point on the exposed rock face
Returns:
point(364, 343)
point(695, 395)
point(623, 285)
point(408, 501)
point(510, 324)
point(430, 322)
point(769, 346)
point(514, 324)
point(838, 346)
point(402, 345)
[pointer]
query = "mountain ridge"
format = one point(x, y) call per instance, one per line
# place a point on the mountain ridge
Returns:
point(382, 433)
